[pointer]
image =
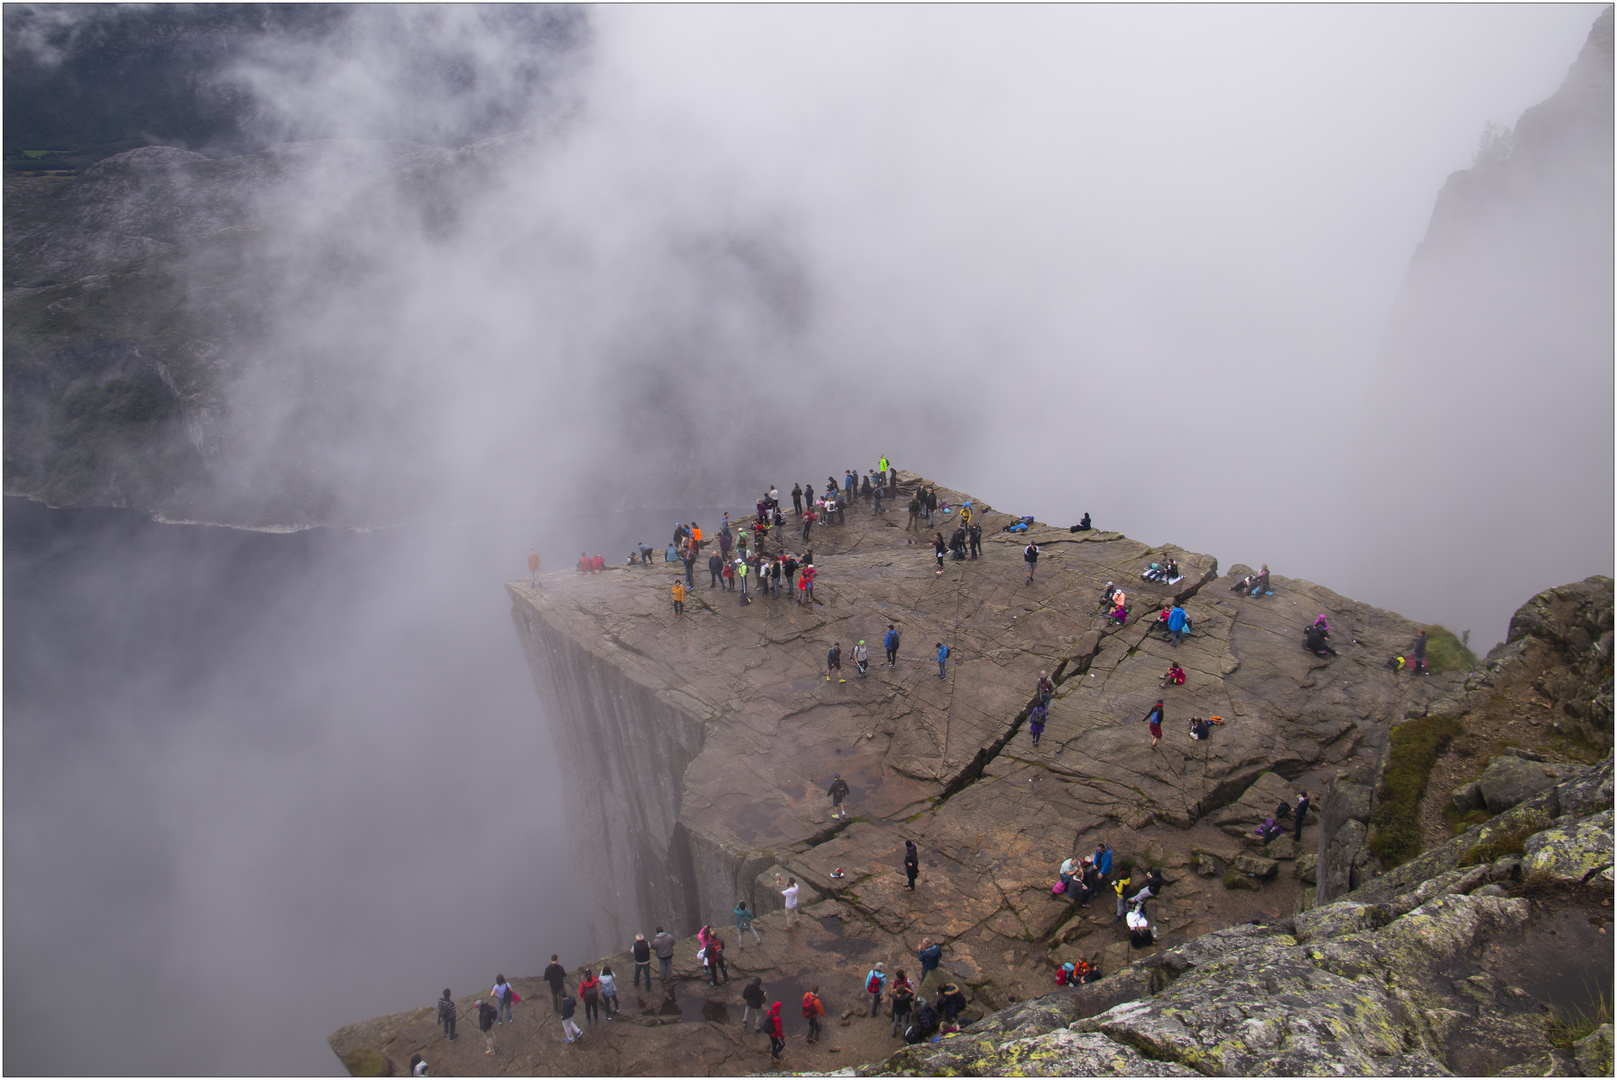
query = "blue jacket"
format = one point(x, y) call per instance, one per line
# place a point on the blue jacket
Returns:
point(1104, 864)
point(891, 640)
point(1176, 618)
point(743, 917)
point(930, 957)
point(943, 653)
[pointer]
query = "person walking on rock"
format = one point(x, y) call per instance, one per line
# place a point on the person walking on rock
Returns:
point(679, 597)
point(789, 895)
point(777, 1032)
point(838, 791)
point(446, 1014)
point(743, 924)
point(943, 659)
point(715, 959)
point(813, 1009)
point(938, 548)
point(876, 986)
point(715, 565)
point(1044, 689)
point(662, 943)
point(833, 662)
point(890, 643)
point(589, 991)
point(752, 997)
point(556, 976)
point(486, 1014)
point(641, 952)
point(1035, 723)
point(861, 658)
point(1030, 556)
point(1154, 718)
point(931, 955)
point(912, 864)
point(569, 1030)
point(1300, 814)
point(504, 996)
point(609, 991)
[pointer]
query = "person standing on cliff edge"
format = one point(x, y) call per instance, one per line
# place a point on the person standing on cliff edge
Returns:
point(446, 1014)
point(556, 976)
point(1300, 814)
point(838, 791)
point(662, 943)
point(642, 961)
point(743, 916)
point(533, 568)
point(789, 894)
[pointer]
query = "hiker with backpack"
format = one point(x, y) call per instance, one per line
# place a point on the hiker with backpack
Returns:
point(838, 791)
point(1316, 641)
point(715, 959)
point(890, 643)
point(1035, 723)
point(976, 536)
point(504, 996)
point(875, 986)
point(833, 662)
point(1301, 813)
point(1176, 623)
point(943, 658)
point(609, 991)
point(861, 658)
point(744, 918)
point(1044, 689)
point(813, 1009)
point(777, 1032)
point(915, 514)
point(589, 991)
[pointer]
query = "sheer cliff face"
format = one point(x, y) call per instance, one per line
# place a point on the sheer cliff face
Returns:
point(1488, 449)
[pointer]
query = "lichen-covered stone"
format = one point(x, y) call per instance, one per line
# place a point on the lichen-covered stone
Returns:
point(1569, 854)
point(1593, 1052)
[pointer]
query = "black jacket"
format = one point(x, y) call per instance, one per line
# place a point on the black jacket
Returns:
point(568, 1004)
point(642, 952)
point(556, 976)
point(485, 1016)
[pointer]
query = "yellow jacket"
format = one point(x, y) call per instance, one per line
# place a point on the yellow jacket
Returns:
point(679, 591)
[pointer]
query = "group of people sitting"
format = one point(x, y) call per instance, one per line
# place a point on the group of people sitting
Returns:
point(1253, 584)
point(916, 1019)
point(1114, 602)
point(1083, 879)
point(1165, 571)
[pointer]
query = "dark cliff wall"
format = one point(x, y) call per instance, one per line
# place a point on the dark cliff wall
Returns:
point(623, 753)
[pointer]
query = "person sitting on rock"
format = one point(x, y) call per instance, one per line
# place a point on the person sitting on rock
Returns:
point(1083, 524)
point(951, 1002)
point(1106, 596)
point(1119, 610)
point(1154, 572)
point(1068, 871)
point(925, 1024)
point(1173, 570)
point(1323, 623)
point(1175, 675)
point(1200, 729)
point(1140, 933)
point(1314, 640)
point(1092, 880)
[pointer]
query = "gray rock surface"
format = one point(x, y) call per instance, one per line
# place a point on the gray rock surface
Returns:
point(1509, 779)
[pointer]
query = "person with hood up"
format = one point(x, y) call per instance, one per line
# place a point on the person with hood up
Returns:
point(777, 1032)
point(752, 998)
point(838, 791)
point(743, 924)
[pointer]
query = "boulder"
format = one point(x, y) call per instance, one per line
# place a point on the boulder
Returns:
point(1306, 868)
point(1255, 866)
point(1237, 880)
point(1569, 854)
point(1205, 866)
point(1257, 802)
point(1281, 847)
point(1467, 797)
point(1509, 780)
point(1593, 1052)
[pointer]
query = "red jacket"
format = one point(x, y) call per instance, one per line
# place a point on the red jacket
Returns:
point(775, 1027)
point(599, 562)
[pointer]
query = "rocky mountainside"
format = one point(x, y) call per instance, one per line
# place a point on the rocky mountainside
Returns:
point(698, 749)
